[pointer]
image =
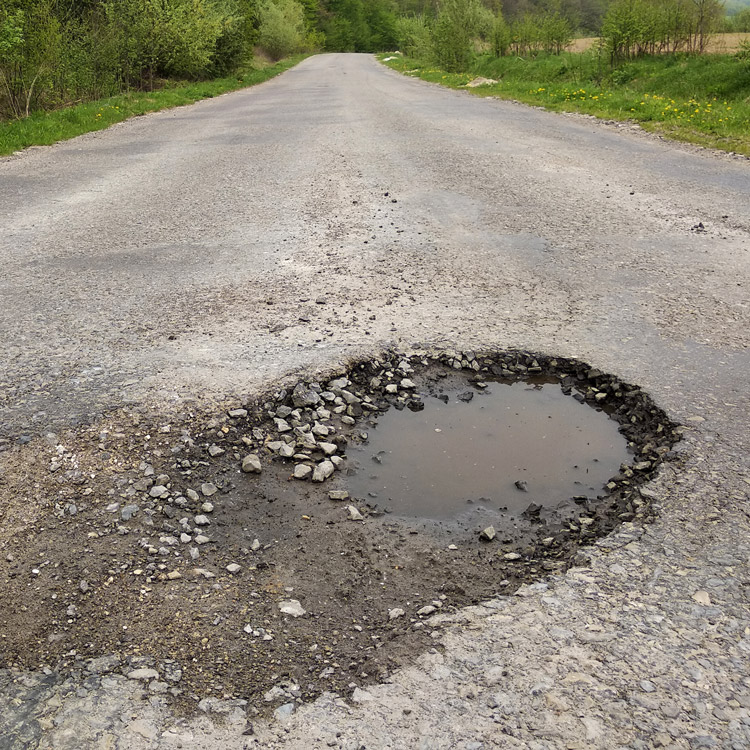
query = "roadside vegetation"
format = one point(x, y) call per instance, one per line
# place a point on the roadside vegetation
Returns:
point(44, 128)
point(70, 66)
point(650, 64)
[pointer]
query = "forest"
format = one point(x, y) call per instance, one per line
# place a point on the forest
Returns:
point(54, 53)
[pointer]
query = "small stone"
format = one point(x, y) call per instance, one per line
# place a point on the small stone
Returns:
point(215, 450)
point(143, 674)
point(302, 471)
point(174, 575)
point(338, 495)
point(234, 568)
point(251, 464)
point(328, 448)
point(192, 495)
point(428, 610)
point(303, 396)
point(255, 546)
point(702, 597)
point(207, 507)
point(354, 514)
point(201, 520)
point(208, 489)
point(292, 607)
point(322, 471)
point(395, 612)
point(185, 538)
point(408, 384)
point(521, 485)
point(647, 686)
point(200, 539)
point(511, 556)
point(158, 490)
point(282, 425)
point(237, 413)
point(488, 534)
point(128, 512)
point(286, 451)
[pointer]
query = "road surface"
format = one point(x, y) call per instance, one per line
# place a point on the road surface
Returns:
point(202, 254)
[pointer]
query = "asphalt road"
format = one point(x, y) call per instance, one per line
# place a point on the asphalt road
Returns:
point(203, 253)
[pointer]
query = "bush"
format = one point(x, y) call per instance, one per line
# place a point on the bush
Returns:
point(452, 35)
point(414, 37)
point(281, 29)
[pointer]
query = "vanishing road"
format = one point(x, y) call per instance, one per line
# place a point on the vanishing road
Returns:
point(203, 253)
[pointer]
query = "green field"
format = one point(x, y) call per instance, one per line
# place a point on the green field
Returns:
point(699, 99)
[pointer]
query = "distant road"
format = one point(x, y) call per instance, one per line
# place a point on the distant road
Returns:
point(184, 254)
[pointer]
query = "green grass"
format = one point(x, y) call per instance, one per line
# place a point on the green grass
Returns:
point(699, 99)
point(45, 128)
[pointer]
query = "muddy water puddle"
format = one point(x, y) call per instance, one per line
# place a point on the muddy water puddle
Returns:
point(472, 452)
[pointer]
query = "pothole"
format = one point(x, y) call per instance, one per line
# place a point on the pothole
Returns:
point(231, 554)
point(483, 453)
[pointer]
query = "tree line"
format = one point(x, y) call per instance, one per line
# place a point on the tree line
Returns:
point(57, 52)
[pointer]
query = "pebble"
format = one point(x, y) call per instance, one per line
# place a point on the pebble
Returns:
point(158, 490)
point(201, 520)
point(338, 495)
point(207, 507)
point(395, 612)
point(487, 534)
point(234, 568)
point(322, 471)
point(207, 488)
point(354, 514)
point(302, 471)
point(292, 607)
point(251, 464)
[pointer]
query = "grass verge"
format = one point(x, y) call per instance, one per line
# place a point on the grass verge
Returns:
point(703, 100)
point(45, 128)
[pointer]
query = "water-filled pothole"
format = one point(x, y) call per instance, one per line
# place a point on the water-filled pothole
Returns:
point(505, 447)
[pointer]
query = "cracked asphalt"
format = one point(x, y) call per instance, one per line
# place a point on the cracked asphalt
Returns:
point(200, 255)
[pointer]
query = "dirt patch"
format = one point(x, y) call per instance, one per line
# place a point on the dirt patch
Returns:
point(189, 549)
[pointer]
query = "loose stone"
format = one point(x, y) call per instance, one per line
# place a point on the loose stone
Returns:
point(292, 607)
point(207, 488)
point(322, 471)
point(302, 471)
point(251, 464)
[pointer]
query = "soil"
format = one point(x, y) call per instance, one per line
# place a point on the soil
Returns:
point(84, 579)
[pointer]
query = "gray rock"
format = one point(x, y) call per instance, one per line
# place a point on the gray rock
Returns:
point(208, 489)
point(302, 471)
point(158, 490)
point(282, 425)
point(128, 512)
point(488, 534)
point(234, 568)
point(303, 396)
point(395, 612)
point(338, 495)
point(322, 471)
point(251, 464)
point(292, 607)
point(354, 514)
point(201, 520)
point(215, 450)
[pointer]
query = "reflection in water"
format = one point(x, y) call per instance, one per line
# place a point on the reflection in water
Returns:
point(507, 447)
